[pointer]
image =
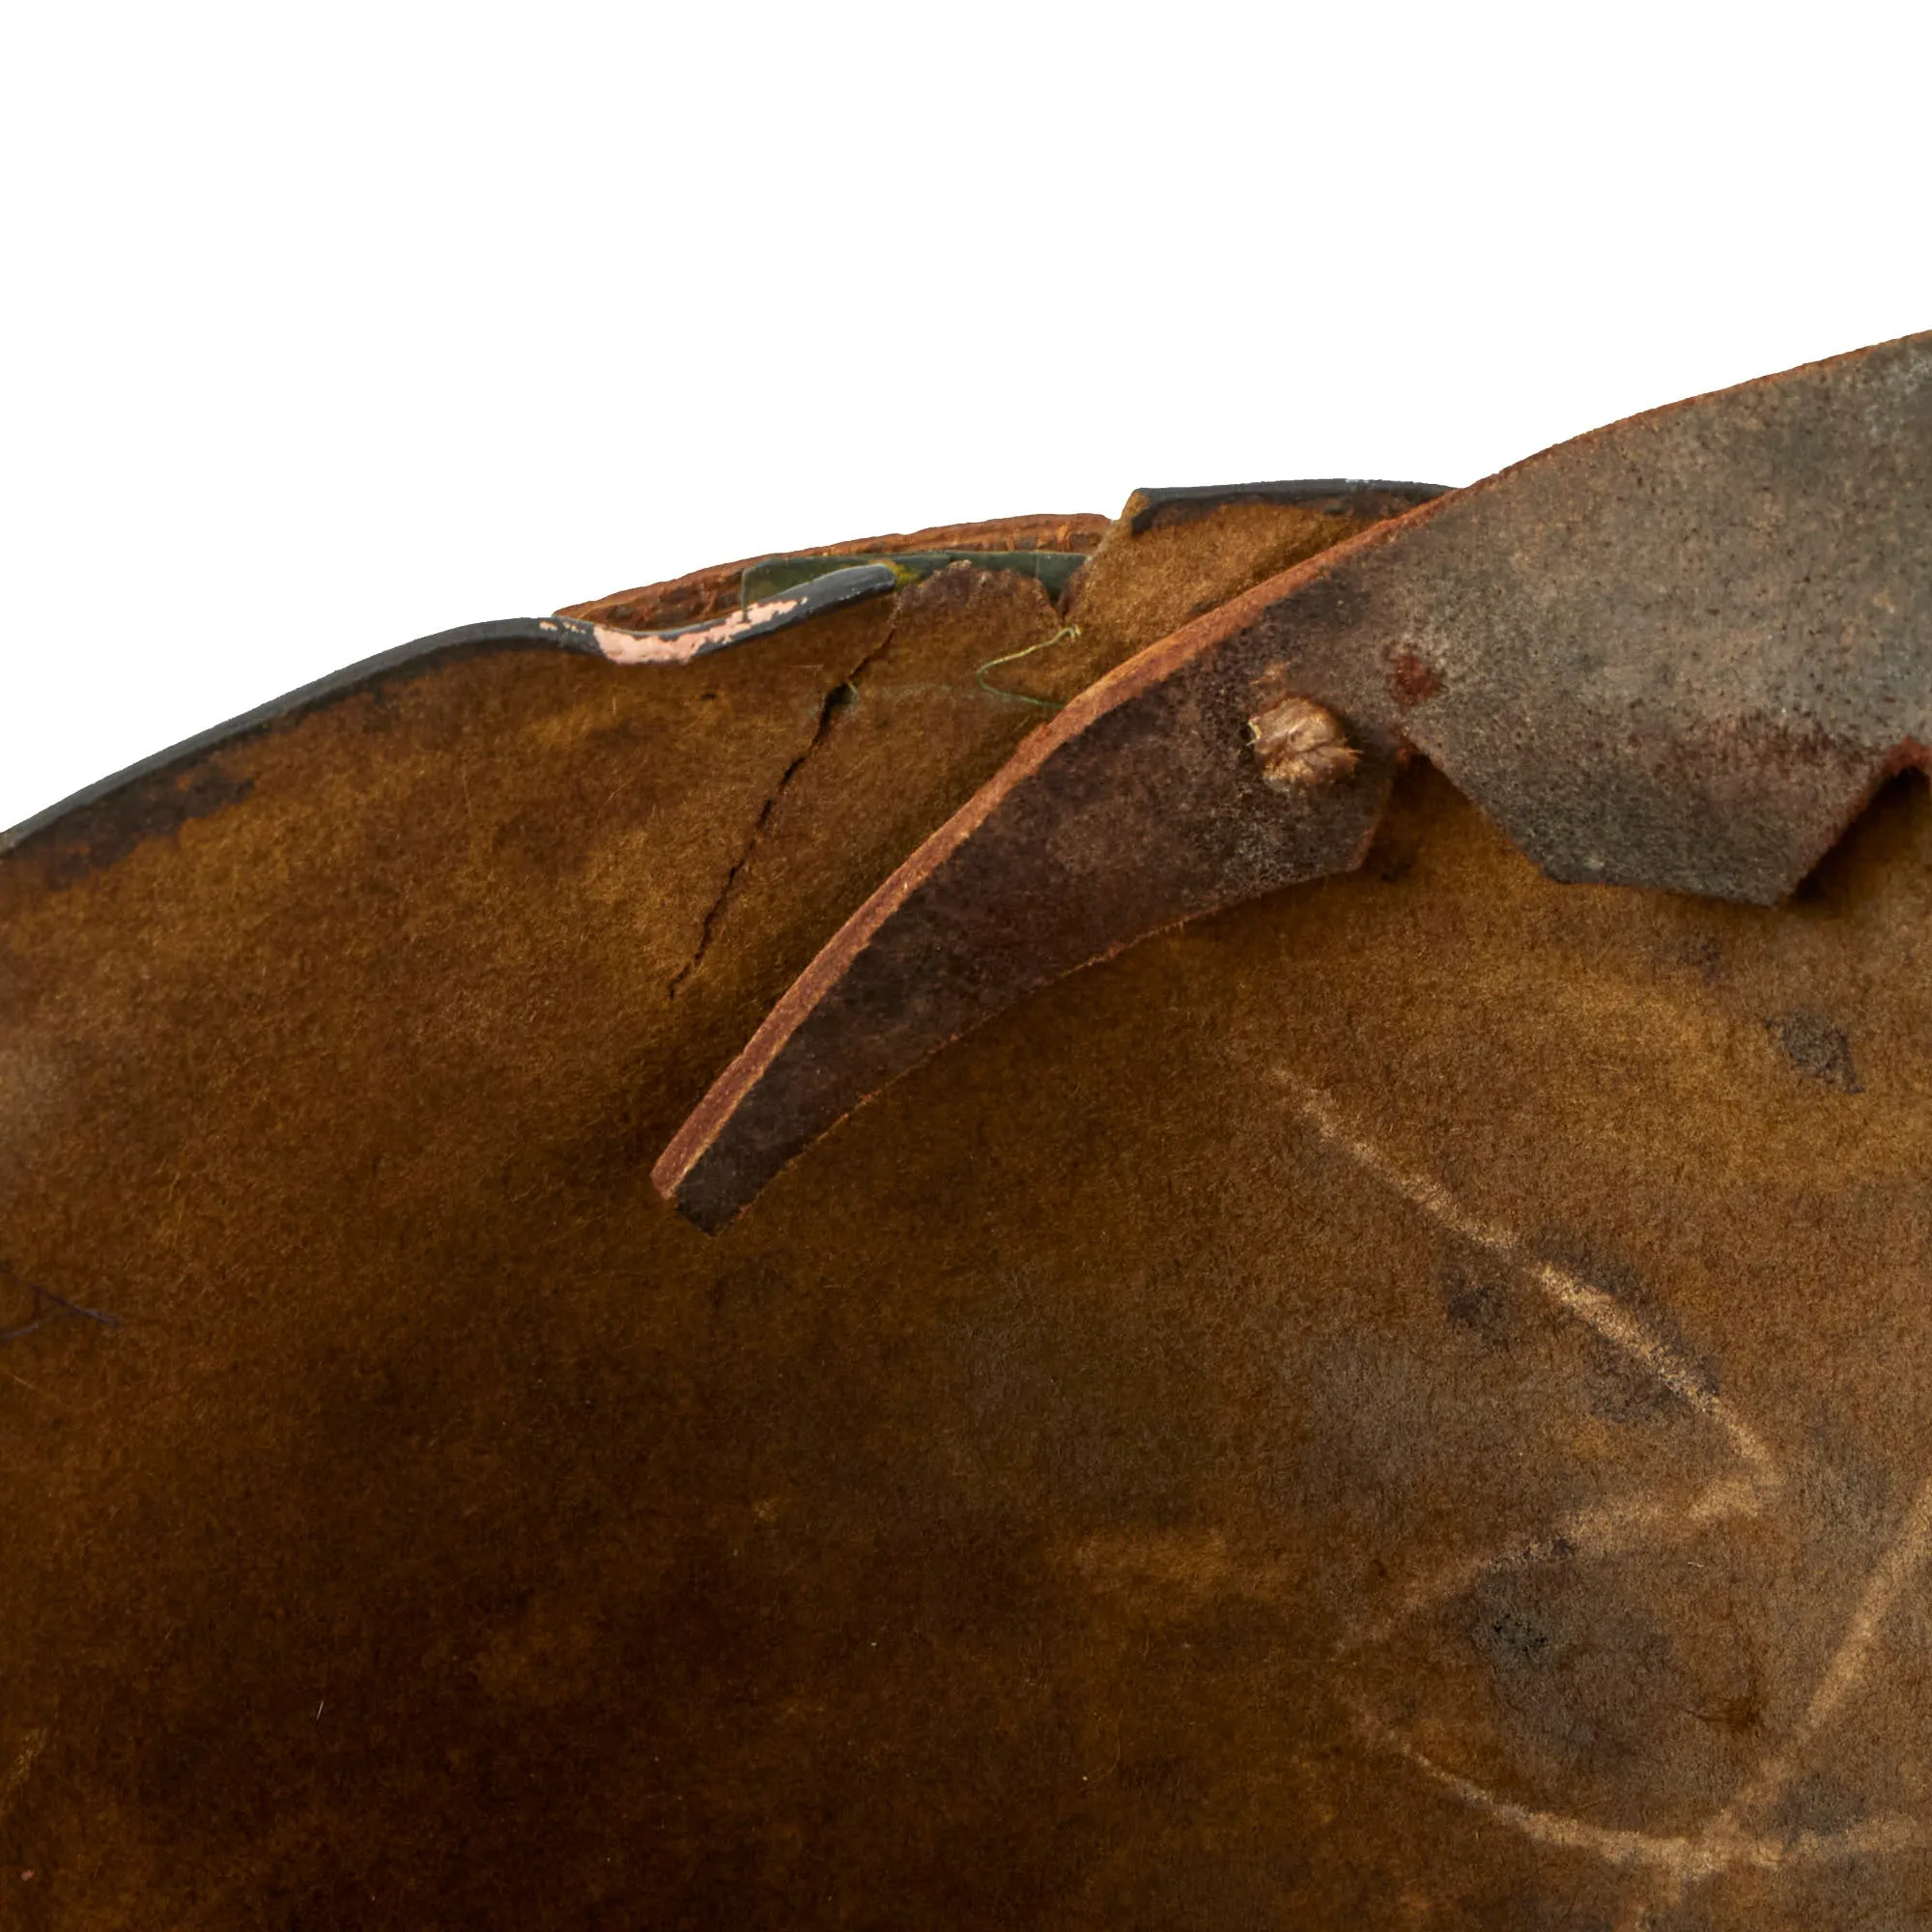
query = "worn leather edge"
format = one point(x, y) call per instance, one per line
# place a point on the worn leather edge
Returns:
point(829, 1043)
point(1155, 509)
point(402, 659)
point(682, 646)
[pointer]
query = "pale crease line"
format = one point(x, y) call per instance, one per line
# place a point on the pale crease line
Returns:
point(1428, 1195)
point(1687, 1861)
point(1740, 1495)
point(1615, 1323)
point(1626, 1848)
point(1609, 1529)
point(1719, 1847)
point(32, 1744)
point(1846, 1670)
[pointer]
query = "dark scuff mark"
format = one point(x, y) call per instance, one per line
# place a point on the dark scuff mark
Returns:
point(1704, 956)
point(1412, 682)
point(1817, 1048)
point(1513, 1639)
point(1821, 1805)
point(104, 821)
point(47, 1303)
point(99, 835)
point(1482, 1303)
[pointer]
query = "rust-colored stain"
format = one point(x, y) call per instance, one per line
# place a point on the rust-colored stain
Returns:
point(1412, 682)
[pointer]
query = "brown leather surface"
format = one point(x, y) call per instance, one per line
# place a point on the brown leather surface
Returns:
point(1142, 585)
point(1396, 1406)
point(710, 592)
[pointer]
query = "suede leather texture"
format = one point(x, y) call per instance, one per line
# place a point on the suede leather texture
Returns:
point(1403, 1405)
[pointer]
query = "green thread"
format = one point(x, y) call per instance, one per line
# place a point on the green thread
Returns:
point(1014, 657)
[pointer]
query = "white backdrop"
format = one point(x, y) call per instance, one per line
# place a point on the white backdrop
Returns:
point(326, 327)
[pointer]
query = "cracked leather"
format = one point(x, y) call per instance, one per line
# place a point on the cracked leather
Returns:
point(1680, 653)
point(1403, 1402)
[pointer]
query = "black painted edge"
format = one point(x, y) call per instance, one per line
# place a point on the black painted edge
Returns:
point(1053, 569)
point(778, 610)
point(833, 592)
point(563, 634)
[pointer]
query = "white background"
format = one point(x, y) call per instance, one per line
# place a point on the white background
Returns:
point(324, 326)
